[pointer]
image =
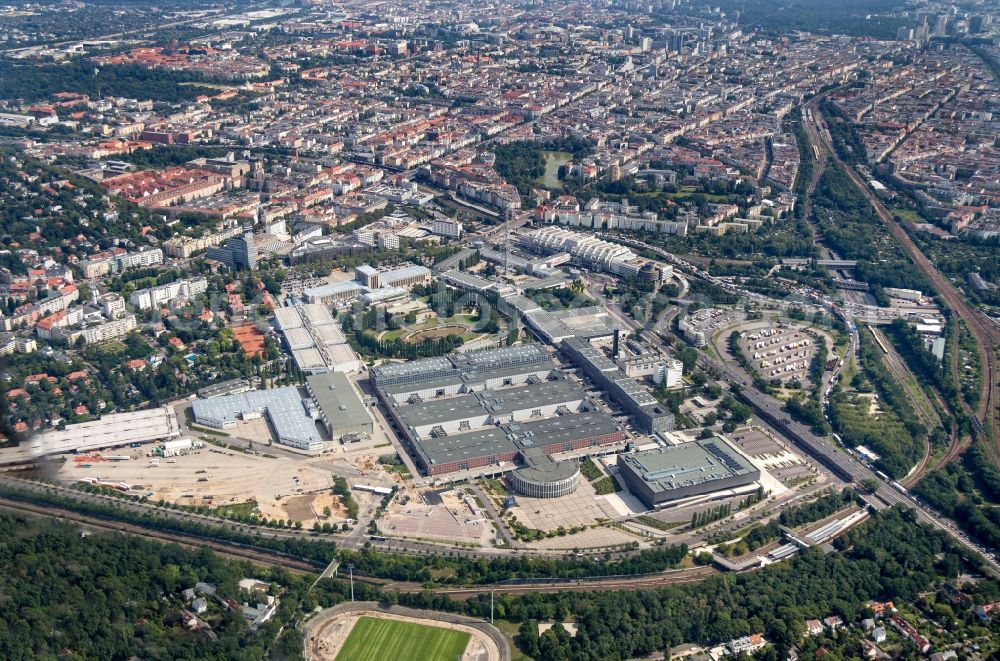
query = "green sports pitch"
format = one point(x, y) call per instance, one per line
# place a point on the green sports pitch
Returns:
point(377, 639)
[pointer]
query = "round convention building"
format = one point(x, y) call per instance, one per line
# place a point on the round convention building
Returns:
point(546, 479)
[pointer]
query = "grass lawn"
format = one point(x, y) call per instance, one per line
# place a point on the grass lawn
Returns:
point(389, 336)
point(398, 468)
point(376, 639)
point(510, 630)
point(237, 509)
point(689, 191)
point(906, 215)
point(606, 485)
point(111, 347)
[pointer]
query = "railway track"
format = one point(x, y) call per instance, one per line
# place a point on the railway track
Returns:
point(985, 333)
point(643, 582)
point(918, 400)
point(259, 557)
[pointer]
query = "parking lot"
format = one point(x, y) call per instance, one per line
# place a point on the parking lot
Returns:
point(755, 442)
point(776, 352)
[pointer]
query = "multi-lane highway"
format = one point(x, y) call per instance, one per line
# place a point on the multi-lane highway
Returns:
point(837, 459)
point(826, 452)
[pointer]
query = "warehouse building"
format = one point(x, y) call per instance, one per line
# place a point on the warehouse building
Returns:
point(231, 387)
point(293, 418)
point(456, 373)
point(451, 415)
point(590, 323)
point(649, 414)
point(341, 410)
point(176, 447)
point(315, 339)
point(109, 431)
point(666, 474)
point(489, 408)
point(501, 446)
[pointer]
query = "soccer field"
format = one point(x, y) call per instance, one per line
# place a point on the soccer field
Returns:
point(377, 639)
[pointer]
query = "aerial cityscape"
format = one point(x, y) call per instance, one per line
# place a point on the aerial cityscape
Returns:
point(351, 330)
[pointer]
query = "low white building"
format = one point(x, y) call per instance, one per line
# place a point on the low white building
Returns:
point(176, 447)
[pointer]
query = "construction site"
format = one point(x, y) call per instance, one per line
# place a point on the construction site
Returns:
point(272, 487)
point(443, 515)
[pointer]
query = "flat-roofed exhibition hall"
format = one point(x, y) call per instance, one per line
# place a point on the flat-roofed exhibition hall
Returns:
point(495, 407)
point(690, 469)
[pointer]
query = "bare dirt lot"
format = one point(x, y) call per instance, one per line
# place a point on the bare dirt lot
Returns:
point(454, 520)
point(213, 477)
point(309, 508)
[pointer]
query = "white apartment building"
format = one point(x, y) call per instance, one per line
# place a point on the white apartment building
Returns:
point(106, 332)
point(146, 299)
point(14, 343)
point(669, 373)
point(112, 305)
point(143, 258)
point(101, 266)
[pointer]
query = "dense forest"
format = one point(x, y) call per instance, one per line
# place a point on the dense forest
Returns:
point(969, 492)
point(521, 163)
point(862, 18)
point(889, 557)
point(109, 596)
point(823, 506)
point(851, 229)
point(112, 596)
point(484, 572)
point(35, 82)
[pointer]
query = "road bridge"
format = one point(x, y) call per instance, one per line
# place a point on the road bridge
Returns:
point(829, 263)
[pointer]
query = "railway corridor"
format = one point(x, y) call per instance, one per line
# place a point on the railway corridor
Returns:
point(985, 333)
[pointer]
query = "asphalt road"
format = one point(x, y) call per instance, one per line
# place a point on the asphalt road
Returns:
point(819, 448)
